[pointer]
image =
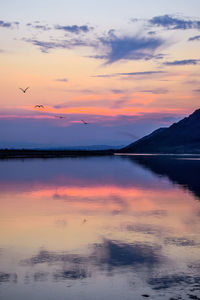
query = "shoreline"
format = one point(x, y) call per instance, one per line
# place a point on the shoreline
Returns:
point(26, 153)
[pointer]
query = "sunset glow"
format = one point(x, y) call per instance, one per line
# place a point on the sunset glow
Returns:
point(131, 64)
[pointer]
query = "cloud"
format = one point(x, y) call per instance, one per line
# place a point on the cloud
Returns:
point(109, 48)
point(8, 24)
point(5, 24)
point(194, 38)
point(196, 91)
point(98, 56)
point(130, 48)
point(155, 91)
point(62, 80)
point(45, 46)
point(129, 74)
point(141, 73)
point(123, 101)
point(74, 28)
point(170, 22)
point(116, 91)
point(151, 32)
point(182, 62)
point(101, 102)
point(40, 27)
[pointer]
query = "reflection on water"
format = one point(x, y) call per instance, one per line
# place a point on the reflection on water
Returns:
point(181, 170)
point(100, 228)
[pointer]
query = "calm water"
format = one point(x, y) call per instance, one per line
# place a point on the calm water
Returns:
point(100, 228)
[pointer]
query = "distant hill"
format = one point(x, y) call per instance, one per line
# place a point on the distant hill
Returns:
point(29, 146)
point(86, 148)
point(181, 137)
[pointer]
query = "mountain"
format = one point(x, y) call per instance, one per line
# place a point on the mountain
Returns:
point(181, 137)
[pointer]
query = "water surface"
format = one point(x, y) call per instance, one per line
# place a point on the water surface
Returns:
point(100, 228)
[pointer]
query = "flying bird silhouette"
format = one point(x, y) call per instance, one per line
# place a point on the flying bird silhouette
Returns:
point(24, 90)
point(39, 106)
point(84, 122)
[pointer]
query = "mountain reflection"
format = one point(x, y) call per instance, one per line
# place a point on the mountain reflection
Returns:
point(180, 170)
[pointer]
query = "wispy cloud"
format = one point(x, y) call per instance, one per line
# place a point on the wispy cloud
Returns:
point(182, 62)
point(129, 48)
point(110, 47)
point(74, 28)
point(171, 22)
point(151, 32)
point(141, 73)
point(145, 73)
point(39, 27)
point(196, 91)
point(194, 38)
point(62, 80)
point(102, 102)
point(45, 46)
point(155, 91)
point(116, 91)
point(98, 56)
point(6, 24)
point(123, 101)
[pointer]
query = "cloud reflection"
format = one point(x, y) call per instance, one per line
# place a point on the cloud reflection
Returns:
point(70, 274)
point(174, 280)
point(181, 241)
point(120, 254)
point(108, 255)
point(8, 277)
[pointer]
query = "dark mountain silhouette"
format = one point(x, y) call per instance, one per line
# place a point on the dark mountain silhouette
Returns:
point(180, 137)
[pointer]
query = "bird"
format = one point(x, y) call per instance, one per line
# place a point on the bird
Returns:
point(24, 90)
point(39, 106)
point(60, 117)
point(84, 122)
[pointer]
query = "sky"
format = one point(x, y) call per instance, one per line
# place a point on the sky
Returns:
point(124, 67)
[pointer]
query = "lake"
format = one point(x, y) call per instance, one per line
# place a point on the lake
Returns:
point(115, 227)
